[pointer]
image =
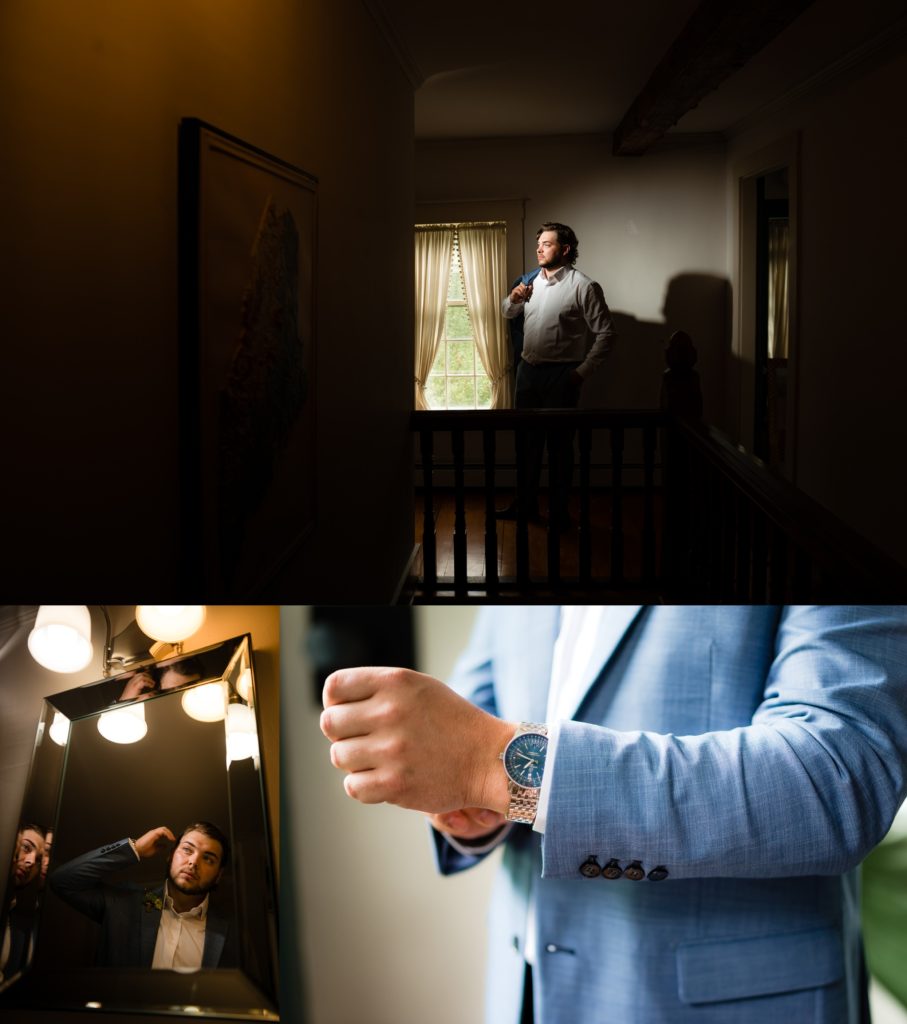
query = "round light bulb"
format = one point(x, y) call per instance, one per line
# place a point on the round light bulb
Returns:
point(244, 685)
point(205, 703)
point(171, 623)
point(61, 637)
point(123, 725)
point(59, 729)
point(242, 737)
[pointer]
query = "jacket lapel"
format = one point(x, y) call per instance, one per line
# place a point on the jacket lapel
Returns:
point(613, 627)
point(151, 920)
point(215, 936)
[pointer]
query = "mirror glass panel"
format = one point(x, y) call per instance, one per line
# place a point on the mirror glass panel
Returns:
point(167, 744)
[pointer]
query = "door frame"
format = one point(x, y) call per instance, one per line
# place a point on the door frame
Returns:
point(745, 173)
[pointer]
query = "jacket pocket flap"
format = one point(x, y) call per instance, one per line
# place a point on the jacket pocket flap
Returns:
point(718, 969)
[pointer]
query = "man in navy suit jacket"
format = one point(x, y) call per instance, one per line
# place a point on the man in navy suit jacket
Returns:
point(147, 927)
point(714, 777)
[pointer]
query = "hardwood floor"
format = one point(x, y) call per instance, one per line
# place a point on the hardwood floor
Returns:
point(601, 521)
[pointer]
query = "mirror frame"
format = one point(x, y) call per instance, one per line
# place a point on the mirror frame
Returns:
point(221, 993)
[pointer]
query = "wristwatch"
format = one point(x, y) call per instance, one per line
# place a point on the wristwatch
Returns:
point(524, 763)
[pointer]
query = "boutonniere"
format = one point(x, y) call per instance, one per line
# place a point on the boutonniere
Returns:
point(151, 899)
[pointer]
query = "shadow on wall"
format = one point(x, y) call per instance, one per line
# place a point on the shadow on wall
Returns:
point(631, 378)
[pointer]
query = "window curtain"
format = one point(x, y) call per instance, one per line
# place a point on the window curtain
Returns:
point(778, 256)
point(433, 247)
point(483, 255)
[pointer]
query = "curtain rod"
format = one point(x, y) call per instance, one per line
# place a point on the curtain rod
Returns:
point(464, 202)
point(463, 224)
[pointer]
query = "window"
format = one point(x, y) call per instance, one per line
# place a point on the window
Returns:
point(462, 344)
point(457, 379)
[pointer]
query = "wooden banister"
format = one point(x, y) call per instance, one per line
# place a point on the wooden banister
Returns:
point(730, 530)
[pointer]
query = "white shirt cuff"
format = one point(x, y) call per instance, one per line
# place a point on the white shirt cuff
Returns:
point(541, 815)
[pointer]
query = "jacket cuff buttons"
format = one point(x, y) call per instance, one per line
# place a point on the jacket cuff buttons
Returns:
point(634, 871)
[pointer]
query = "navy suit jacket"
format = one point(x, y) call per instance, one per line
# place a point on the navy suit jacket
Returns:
point(515, 324)
point(734, 766)
point(127, 914)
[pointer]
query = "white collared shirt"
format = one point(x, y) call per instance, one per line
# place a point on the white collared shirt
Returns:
point(180, 941)
point(563, 310)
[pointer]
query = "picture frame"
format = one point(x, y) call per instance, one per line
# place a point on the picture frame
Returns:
point(248, 247)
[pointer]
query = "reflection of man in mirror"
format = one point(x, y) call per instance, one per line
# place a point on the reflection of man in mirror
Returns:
point(138, 685)
point(45, 857)
point(180, 673)
point(146, 682)
point(172, 925)
point(15, 945)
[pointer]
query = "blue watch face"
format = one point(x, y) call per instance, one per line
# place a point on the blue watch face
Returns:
point(524, 759)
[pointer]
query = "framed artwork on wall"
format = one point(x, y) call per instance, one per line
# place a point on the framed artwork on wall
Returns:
point(248, 236)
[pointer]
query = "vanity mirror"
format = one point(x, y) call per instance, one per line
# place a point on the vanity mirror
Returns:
point(166, 745)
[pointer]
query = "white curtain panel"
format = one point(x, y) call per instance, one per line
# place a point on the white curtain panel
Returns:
point(433, 247)
point(778, 259)
point(483, 254)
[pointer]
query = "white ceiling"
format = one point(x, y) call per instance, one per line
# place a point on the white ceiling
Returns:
point(545, 68)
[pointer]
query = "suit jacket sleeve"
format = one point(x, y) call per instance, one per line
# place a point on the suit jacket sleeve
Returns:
point(80, 882)
point(808, 787)
point(472, 678)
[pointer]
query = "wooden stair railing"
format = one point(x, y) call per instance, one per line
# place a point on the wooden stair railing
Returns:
point(490, 424)
point(732, 530)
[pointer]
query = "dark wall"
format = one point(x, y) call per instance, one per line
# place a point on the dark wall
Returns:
point(94, 93)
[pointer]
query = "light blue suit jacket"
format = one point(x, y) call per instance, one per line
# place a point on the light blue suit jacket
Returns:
point(753, 754)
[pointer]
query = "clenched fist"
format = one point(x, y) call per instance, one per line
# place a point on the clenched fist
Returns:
point(405, 738)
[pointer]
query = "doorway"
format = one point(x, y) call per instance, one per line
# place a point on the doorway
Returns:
point(772, 308)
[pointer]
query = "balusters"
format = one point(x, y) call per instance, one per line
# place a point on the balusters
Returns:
point(491, 529)
point(459, 536)
point(617, 498)
point(429, 547)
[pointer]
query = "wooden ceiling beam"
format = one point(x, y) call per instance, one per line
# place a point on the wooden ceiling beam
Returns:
point(719, 38)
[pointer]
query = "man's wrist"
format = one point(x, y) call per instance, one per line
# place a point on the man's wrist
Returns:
point(494, 792)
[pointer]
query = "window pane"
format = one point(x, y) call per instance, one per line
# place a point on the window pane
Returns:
point(438, 365)
point(461, 357)
point(435, 392)
point(458, 325)
point(483, 392)
point(462, 392)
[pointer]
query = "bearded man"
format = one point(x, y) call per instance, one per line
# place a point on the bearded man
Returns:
point(171, 925)
point(563, 311)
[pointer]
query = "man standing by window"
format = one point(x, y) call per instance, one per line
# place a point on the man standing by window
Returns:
point(562, 308)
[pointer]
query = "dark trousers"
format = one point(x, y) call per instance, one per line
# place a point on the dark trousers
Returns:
point(548, 386)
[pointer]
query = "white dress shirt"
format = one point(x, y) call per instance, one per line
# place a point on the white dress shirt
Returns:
point(559, 316)
point(180, 941)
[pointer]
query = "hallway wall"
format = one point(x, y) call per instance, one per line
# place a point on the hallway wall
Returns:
point(373, 934)
point(849, 432)
point(93, 93)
